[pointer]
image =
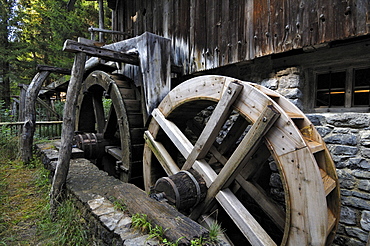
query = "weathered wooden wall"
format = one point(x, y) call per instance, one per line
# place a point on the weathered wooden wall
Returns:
point(212, 33)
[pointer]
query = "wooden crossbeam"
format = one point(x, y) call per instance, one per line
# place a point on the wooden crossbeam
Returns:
point(53, 69)
point(50, 109)
point(108, 54)
point(111, 55)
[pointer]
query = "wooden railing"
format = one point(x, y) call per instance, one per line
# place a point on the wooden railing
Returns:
point(44, 129)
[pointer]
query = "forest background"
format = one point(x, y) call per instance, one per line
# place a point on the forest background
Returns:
point(33, 32)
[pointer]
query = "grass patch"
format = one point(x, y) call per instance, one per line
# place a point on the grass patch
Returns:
point(69, 228)
point(24, 207)
point(23, 195)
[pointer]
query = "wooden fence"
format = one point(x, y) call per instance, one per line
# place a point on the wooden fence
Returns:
point(44, 129)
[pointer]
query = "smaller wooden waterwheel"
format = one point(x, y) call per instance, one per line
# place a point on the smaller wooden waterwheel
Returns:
point(188, 157)
point(111, 137)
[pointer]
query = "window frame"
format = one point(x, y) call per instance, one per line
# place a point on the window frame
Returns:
point(349, 86)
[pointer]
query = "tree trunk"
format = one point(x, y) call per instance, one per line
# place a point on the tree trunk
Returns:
point(5, 16)
point(69, 116)
point(32, 92)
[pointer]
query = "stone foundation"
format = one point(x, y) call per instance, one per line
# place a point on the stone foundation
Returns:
point(347, 136)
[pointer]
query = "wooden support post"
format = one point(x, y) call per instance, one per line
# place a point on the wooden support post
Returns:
point(32, 92)
point(101, 20)
point(69, 116)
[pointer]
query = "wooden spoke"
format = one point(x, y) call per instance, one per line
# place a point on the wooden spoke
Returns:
point(240, 157)
point(162, 155)
point(266, 203)
point(233, 135)
point(174, 133)
point(216, 121)
point(99, 112)
point(243, 219)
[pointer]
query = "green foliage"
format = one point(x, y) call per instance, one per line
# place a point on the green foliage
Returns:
point(119, 204)
point(215, 230)
point(33, 32)
point(24, 210)
point(140, 222)
point(5, 113)
point(8, 144)
point(59, 107)
point(156, 232)
point(106, 106)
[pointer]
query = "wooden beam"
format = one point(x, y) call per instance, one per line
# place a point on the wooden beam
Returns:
point(111, 55)
point(176, 226)
point(22, 101)
point(213, 127)
point(94, 29)
point(101, 20)
point(53, 69)
point(240, 157)
point(247, 224)
point(45, 105)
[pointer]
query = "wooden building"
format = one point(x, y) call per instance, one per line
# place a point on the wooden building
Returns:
point(231, 37)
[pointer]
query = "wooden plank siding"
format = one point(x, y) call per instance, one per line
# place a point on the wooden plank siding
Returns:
point(207, 34)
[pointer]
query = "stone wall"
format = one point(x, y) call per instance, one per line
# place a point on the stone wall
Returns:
point(287, 82)
point(347, 136)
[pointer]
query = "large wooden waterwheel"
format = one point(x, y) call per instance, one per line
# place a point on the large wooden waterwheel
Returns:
point(110, 125)
point(266, 136)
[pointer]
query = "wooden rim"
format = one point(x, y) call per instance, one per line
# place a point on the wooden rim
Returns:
point(305, 166)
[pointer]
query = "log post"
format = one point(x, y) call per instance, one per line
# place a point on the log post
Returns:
point(32, 92)
point(69, 116)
